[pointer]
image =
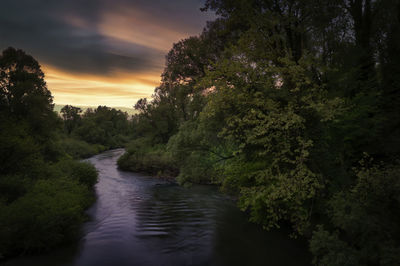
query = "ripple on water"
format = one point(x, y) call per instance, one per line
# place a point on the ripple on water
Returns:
point(139, 220)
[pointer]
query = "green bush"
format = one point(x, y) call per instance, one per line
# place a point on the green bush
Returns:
point(39, 214)
point(153, 160)
point(79, 149)
point(364, 225)
point(13, 187)
point(83, 172)
point(45, 217)
point(43, 193)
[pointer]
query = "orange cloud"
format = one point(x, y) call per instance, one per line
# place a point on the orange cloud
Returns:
point(138, 27)
point(121, 90)
point(133, 29)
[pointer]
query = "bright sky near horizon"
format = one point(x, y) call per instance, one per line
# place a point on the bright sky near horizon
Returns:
point(100, 52)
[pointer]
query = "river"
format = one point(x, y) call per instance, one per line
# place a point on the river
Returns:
point(141, 220)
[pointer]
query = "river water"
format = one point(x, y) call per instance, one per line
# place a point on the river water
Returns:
point(141, 220)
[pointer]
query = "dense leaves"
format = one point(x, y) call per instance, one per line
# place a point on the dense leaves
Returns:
point(24, 94)
point(365, 221)
point(93, 131)
point(277, 102)
point(43, 194)
point(48, 215)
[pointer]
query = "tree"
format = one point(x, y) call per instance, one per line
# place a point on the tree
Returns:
point(71, 116)
point(291, 95)
point(365, 220)
point(24, 94)
point(103, 125)
point(42, 201)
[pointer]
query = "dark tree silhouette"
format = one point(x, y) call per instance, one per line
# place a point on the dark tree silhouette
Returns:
point(71, 116)
point(24, 93)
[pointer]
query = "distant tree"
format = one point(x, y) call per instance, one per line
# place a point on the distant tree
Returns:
point(71, 116)
point(103, 125)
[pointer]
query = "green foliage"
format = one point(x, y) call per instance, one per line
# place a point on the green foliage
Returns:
point(38, 215)
point(24, 95)
point(80, 149)
point(105, 126)
point(328, 249)
point(192, 157)
point(151, 160)
point(71, 116)
point(277, 101)
point(13, 186)
point(46, 216)
point(43, 195)
point(366, 220)
point(19, 151)
point(82, 172)
point(270, 121)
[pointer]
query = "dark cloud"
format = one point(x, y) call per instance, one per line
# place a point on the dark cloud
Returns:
point(67, 34)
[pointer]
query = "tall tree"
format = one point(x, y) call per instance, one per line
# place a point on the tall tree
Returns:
point(71, 116)
point(24, 93)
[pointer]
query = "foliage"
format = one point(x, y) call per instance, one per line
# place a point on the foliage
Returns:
point(271, 126)
point(277, 101)
point(80, 149)
point(46, 216)
point(43, 194)
point(71, 117)
point(82, 172)
point(194, 154)
point(151, 160)
point(23, 93)
point(364, 221)
point(105, 126)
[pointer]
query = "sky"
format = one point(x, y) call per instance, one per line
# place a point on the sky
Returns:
point(100, 52)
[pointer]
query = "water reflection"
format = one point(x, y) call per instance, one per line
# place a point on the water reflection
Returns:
point(139, 220)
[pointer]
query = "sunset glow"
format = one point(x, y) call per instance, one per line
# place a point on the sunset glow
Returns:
point(88, 90)
point(107, 54)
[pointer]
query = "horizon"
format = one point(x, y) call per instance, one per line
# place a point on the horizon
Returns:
point(129, 110)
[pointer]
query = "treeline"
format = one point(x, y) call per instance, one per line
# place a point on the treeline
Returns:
point(93, 131)
point(294, 107)
point(43, 191)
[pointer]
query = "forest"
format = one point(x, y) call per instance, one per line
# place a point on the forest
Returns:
point(44, 189)
point(290, 107)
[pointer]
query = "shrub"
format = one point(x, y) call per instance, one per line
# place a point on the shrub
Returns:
point(79, 149)
point(153, 160)
point(83, 172)
point(46, 216)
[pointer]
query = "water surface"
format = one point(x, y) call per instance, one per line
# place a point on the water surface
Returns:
point(141, 220)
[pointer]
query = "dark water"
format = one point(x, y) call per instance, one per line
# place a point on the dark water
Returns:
point(139, 220)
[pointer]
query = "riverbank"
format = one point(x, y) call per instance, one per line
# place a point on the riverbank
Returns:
point(154, 161)
point(49, 214)
point(142, 220)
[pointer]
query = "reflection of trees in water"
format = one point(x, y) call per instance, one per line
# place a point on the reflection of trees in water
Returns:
point(201, 226)
point(179, 220)
point(239, 242)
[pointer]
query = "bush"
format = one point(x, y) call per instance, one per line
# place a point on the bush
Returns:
point(153, 160)
point(13, 187)
point(39, 214)
point(79, 149)
point(364, 221)
point(83, 172)
point(45, 217)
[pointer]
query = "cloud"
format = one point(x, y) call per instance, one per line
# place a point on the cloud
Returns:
point(77, 49)
point(100, 39)
point(83, 89)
